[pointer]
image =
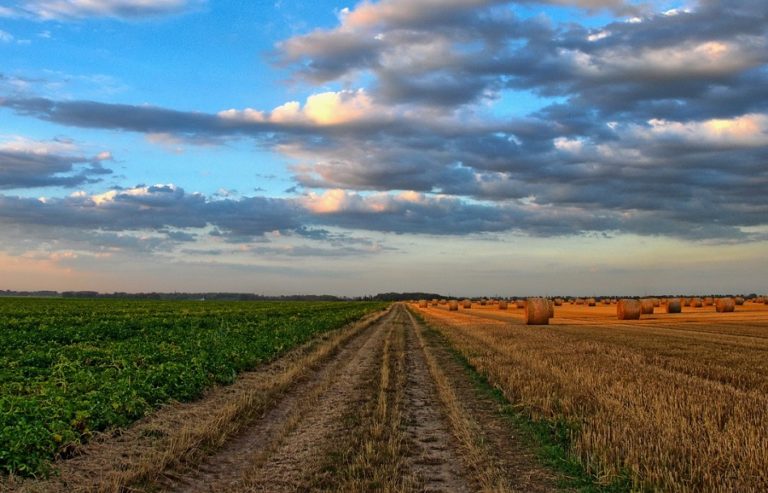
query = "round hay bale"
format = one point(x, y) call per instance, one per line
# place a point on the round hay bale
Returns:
point(520, 303)
point(558, 302)
point(537, 311)
point(422, 303)
point(696, 302)
point(646, 306)
point(605, 301)
point(591, 302)
point(628, 309)
point(656, 302)
point(674, 306)
point(579, 301)
point(502, 305)
point(725, 305)
point(551, 308)
point(483, 302)
point(709, 301)
point(453, 306)
point(738, 300)
point(467, 304)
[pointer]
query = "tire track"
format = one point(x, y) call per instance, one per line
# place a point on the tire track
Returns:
point(281, 451)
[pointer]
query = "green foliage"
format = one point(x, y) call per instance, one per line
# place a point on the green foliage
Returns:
point(72, 367)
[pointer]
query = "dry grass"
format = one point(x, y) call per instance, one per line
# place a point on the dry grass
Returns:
point(678, 402)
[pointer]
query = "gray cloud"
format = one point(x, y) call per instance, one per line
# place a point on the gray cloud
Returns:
point(26, 169)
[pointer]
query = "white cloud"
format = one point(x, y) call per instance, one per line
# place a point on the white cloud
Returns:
point(743, 131)
point(5, 37)
point(705, 58)
point(327, 108)
point(17, 143)
point(75, 9)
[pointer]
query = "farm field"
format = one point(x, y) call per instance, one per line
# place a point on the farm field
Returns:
point(71, 368)
point(672, 402)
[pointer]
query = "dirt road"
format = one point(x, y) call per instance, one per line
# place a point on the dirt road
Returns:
point(382, 406)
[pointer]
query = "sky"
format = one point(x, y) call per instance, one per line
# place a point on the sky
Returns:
point(467, 147)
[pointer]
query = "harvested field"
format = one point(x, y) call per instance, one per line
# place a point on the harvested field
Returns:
point(672, 402)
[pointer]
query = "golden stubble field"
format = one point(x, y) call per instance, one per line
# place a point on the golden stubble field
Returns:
point(678, 402)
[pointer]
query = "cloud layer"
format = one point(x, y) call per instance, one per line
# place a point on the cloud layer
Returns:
point(655, 123)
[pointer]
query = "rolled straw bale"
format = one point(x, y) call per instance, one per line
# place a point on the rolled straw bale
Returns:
point(520, 303)
point(537, 311)
point(738, 300)
point(591, 302)
point(579, 301)
point(709, 301)
point(605, 301)
point(467, 304)
point(628, 309)
point(674, 306)
point(725, 305)
point(483, 302)
point(502, 305)
point(551, 308)
point(422, 303)
point(656, 302)
point(696, 302)
point(453, 306)
point(646, 306)
point(558, 302)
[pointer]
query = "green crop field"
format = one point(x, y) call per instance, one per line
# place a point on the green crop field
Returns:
point(72, 367)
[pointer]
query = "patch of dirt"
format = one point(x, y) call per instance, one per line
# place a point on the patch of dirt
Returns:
point(434, 458)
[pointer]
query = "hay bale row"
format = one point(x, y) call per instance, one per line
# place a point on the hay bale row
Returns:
point(674, 306)
point(725, 305)
point(646, 306)
point(629, 309)
point(538, 311)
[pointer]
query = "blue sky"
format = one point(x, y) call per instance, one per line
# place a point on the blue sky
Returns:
point(470, 146)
